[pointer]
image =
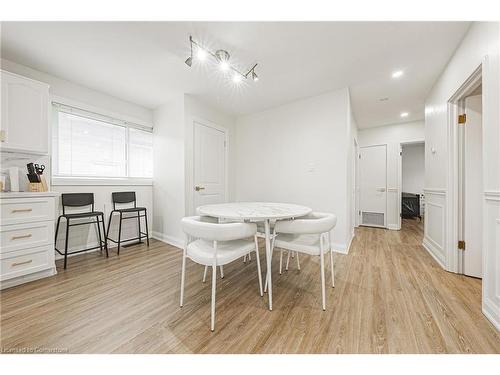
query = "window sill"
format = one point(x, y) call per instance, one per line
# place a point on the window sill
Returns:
point(90, 181)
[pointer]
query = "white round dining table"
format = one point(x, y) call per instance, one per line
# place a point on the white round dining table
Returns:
point(257, 212)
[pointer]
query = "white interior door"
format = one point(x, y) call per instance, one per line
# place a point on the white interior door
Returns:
point(209, 165)
point(373, 185)
point(473, 187)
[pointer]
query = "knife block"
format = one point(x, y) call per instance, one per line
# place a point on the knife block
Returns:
point(38, 187)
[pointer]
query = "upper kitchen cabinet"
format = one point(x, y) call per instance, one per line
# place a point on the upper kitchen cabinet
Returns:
point(24, 114)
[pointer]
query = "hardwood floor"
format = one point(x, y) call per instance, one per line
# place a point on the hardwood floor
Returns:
point(389, 297)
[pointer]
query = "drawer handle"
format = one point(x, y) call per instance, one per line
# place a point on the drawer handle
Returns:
point(21, 263)
point(22, 210)
point(20, 237)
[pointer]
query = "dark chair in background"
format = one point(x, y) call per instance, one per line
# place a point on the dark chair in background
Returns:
point(125, 197)
point(80, 200)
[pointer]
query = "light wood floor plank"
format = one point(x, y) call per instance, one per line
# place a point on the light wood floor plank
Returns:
point(390, 296)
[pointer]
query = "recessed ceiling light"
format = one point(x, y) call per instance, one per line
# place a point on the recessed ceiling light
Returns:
point(404, 114)
point(397, 74)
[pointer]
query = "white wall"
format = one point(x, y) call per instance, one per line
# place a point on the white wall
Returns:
point(169, 171)
point(297, 153)
point(413, 168)
point(86, 98)
point(393, 136)
point(66, 89)
point(482, 40)
point(173, 151)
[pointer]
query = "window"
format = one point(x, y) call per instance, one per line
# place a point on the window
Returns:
point(88, 145)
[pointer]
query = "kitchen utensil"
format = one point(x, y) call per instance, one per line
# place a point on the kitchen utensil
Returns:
point(39, 168)
point(31, 168)
point(33, 177)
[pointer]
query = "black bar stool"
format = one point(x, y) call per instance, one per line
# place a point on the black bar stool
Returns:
point(124, 197)
point(80, 200)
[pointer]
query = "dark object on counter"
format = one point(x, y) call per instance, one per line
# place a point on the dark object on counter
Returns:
point(31, 168)
point(410, 206)
point(80, 200)
point(39, 168)
point(123, 198)
point(33, 177)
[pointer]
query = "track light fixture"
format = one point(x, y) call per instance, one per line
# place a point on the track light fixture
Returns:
point(222, 57)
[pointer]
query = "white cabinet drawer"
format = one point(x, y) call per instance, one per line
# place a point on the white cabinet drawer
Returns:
point(22, 263)
point(24, 236)
point(19, 210)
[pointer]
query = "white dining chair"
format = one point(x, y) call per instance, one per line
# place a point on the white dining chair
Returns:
point(216, 244)
point(309, 235)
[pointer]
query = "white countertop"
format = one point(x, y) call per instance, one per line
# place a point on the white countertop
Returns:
point(254, 211)
point(28, 194)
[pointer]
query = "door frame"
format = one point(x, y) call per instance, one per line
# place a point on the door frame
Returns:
point(357, 212)
point(400, 175)
point(385, 213)
point(456, 106)
point(190, 192)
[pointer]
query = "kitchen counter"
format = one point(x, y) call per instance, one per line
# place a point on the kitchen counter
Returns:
point(27, 194)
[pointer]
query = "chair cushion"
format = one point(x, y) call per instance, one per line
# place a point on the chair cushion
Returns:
point(202, 251)
point(80, 215)
point(303, 243)
point(131, 209)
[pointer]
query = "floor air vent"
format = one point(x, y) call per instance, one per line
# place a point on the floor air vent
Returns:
point(372, 218)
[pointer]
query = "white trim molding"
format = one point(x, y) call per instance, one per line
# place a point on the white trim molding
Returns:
point(434, 248)
point(435, 191)
point(95, 181)
point(174, 241)
point(492, 195)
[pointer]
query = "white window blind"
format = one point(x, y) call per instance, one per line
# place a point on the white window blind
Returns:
point(86, 144)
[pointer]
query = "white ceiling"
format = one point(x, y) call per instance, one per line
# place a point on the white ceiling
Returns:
point(143, 62)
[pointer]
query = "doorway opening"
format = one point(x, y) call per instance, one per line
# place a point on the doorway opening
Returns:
point(373, 185)
point(412, 199)
point(467, 181)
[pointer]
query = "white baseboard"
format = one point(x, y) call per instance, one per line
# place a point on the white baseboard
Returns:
point(342, 248)
point(433, 251)
point(393, 227)
point(177, 242)
point(492, 312)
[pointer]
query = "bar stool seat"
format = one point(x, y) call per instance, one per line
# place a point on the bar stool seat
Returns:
point(131, 209)
point(81, 215)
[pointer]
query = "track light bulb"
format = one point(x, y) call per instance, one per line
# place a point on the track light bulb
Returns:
point(237, 78)
point(189, 61)
point(255, 77)
point(201, 54)
point(224, 66)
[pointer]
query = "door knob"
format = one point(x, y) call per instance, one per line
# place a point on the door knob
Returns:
point(198, 188)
